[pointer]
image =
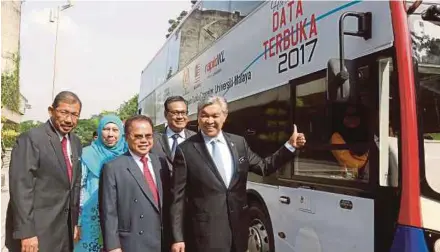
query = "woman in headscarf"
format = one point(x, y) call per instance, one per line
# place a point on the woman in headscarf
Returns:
point(351, 130)
point(109, 145)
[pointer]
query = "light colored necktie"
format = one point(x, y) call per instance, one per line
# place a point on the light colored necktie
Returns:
point(217, 157)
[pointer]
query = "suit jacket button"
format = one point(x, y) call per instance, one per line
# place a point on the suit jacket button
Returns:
point(66, 210)
point(141, 232)
point(135, 200)
point(142, 216)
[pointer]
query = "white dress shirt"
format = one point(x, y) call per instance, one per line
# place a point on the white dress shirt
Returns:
point(225, 152)
point(170, 133)
point(138, 161)
point(69, 149)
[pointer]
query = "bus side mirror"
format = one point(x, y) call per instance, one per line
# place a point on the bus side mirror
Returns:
point(341, 73)
point(340, 83)
point(432, 14)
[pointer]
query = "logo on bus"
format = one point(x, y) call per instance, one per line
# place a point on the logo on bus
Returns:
point(215, 62)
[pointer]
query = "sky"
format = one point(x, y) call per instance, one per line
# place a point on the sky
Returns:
point(102, 48)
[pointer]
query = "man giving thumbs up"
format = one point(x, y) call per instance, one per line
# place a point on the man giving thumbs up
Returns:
point(209, 208)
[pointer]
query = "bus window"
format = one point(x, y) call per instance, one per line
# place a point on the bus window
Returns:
point(264, 121)
point(350, 139)
point(337, 138)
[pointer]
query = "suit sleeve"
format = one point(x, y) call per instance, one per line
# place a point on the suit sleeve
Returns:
point(177, 210)
point(108, 208)
point(268, 165)
point(24, 161)
point(77, 187)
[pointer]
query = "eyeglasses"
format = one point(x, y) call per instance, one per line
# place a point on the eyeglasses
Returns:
point(149, 137)
point(178, 113)
point(66, 114)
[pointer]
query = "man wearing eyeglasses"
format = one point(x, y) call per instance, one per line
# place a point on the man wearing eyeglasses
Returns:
point(134, 194)
point(44, 177)
point(176, 114)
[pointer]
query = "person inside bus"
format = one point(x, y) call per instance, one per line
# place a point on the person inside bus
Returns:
point(350, 130)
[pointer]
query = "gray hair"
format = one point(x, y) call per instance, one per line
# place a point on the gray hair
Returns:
point(209, 100)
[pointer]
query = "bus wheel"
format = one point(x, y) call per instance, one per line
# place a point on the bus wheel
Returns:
point(260, 230)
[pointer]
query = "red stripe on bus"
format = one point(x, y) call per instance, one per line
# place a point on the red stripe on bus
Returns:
point(409, 213)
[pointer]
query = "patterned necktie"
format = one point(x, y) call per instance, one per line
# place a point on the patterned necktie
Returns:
point(149, 179)
point(174, 147)
point(66, 158)
point(217, 157)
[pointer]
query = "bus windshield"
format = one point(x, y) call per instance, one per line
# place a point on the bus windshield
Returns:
point(426, 49)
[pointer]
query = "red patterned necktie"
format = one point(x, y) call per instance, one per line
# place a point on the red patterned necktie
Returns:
point(149, 179)
point(66, 158)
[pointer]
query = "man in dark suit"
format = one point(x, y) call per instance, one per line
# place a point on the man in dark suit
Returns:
point(176, 114)
point(44, 177)
point(134, 194)
point(209, 183)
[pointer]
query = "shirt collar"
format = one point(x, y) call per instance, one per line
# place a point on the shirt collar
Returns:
point(220, 137)
point(170, 133)
point(137, 157)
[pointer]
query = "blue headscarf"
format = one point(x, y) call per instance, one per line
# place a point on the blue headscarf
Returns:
point(97, 154)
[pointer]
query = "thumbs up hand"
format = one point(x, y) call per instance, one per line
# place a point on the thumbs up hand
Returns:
point(297, 140)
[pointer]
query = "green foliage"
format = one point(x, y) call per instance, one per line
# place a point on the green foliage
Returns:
point(27, 125)
point(128, 108)
point(10, 126)
point(11, 86)
point(8, 137)
point(84, 129)
point(175, 22)
point(435, 136)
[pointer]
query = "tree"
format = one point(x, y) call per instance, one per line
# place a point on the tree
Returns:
point(84, 129)
point(128, 108)
point(426, 48)
point(27, 125)
point(11, 86)
point(175, 22)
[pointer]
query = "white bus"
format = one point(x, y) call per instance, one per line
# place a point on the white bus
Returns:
point(368, 185)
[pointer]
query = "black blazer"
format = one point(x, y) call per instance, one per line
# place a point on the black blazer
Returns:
point(162, 148)
point(130, 218)
point(43, 202)
point(204, 213)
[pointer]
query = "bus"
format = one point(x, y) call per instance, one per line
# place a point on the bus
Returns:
point(361, 79)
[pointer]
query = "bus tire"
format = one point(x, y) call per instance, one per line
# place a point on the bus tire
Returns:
point(260, 229)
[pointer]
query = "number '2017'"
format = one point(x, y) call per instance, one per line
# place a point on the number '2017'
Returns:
point(295, 56)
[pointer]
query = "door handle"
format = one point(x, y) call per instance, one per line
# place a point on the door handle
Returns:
point(285, 200)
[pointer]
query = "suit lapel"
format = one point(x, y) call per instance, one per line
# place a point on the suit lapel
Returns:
point(165, 146)
point(203, 151)
point(56, 146)
point(137, 174)
point(157, 173)
point(233, 148)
